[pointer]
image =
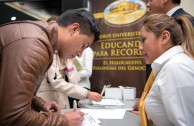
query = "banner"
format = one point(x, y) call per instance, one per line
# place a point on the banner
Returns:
point(117, 59)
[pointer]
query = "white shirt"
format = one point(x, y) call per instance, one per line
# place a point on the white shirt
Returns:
point(170, 100)
point(86, 60)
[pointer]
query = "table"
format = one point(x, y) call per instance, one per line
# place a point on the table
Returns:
point(129, 119)
point(88, 104)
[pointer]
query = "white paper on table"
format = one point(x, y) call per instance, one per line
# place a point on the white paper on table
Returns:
point(90, 121)
point(108, 102)
point(105, 113)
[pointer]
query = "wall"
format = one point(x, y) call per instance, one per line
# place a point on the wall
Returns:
point(187, 5)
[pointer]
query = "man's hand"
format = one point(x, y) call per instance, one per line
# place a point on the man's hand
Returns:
point(94, 96)
point(51, 107)
point(75, 118)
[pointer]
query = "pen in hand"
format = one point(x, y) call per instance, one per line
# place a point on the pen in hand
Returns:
point(104, 87)
point(103, 90)
point(74, 105)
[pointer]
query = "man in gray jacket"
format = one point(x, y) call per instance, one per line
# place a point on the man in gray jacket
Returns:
point(26, 53)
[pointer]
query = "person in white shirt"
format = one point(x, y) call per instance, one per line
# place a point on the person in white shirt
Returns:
point(167, 44)
point(86, 61)
point(171, 8)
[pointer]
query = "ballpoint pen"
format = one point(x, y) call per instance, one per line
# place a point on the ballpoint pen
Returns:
point(103, 89)
point(75, 105)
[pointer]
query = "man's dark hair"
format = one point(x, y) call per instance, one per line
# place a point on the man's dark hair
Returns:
point(176, 1)
point(85, 19)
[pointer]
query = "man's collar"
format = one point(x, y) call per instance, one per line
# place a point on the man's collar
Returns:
point(170, 12)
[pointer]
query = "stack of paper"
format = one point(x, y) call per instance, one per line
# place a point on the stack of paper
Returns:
point(108, 102)
point(90, 121)
point(107, 113)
